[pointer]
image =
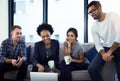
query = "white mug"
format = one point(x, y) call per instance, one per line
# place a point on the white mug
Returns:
point(67, 59)
point(51, 64)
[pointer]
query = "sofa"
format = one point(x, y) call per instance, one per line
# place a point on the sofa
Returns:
point(107, 72)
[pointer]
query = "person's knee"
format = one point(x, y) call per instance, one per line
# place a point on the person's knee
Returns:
point(23, 67)
point(1, 67)
point(62, 63)
point(91, 69)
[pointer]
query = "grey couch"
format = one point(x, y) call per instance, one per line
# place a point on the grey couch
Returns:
point(107, 72)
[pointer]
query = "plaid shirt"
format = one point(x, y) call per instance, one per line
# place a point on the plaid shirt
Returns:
point(12, 52)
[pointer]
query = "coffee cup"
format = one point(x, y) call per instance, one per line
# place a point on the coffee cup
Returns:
point(67, 59)
point(51, 64)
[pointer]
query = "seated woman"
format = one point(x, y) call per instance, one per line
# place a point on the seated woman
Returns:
point(46, 51)
point(75, 52)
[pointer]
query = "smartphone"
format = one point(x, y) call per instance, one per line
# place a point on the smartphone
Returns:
point(17, 61)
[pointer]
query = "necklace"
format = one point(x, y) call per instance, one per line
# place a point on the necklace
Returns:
point(47, 53)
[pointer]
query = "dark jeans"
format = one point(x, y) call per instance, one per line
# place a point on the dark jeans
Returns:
point(22, 70)
point(97, 63)
point(66, 69)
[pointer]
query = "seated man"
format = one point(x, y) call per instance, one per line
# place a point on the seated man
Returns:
point(13, 54)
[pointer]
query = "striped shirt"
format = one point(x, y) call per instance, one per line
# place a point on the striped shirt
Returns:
point(11, 51)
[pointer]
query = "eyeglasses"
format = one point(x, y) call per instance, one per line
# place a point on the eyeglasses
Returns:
point(93, 10)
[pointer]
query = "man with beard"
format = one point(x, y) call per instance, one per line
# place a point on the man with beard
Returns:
point(106, 36)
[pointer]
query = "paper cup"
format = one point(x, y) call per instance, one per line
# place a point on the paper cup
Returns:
point(67, 59)
point(51, 64)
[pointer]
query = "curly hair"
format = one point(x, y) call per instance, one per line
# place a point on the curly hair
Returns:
point(45, 26)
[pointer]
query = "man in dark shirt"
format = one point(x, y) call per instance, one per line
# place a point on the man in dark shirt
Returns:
point(13, 54)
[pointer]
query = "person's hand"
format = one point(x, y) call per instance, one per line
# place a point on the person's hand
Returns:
point(68, 42)
point(71, 59)
point(19, 61)
point(107, 57)
point(40, 68)
point(53, 67)
point(14, 62)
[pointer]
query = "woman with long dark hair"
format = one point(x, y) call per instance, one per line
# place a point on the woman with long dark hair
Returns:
point(75, 56)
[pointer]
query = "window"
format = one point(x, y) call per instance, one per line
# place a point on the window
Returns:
point(107, 6)
point(63, 14)
point(29, 14)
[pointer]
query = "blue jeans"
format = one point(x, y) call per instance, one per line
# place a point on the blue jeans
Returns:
point(97, 63)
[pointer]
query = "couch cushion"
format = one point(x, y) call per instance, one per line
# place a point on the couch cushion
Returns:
point(61, 52)
point(31, 51)
point(80, 75)
point(28, 50)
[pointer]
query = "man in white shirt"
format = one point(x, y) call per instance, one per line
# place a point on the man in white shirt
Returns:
point(106, 36)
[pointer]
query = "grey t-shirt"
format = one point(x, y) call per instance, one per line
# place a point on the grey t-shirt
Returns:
point(76, 50)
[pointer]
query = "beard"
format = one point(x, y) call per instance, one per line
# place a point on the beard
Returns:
point(97, 17)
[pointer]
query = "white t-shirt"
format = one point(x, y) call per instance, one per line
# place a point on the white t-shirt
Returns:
point(106, 32)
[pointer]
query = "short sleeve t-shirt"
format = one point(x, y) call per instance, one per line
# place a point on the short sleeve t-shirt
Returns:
point(76, 50)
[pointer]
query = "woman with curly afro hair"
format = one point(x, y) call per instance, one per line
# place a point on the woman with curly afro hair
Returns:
point(46, 50)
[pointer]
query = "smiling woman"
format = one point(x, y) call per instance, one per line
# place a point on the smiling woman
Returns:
point(73, 56)
point(46, 50)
